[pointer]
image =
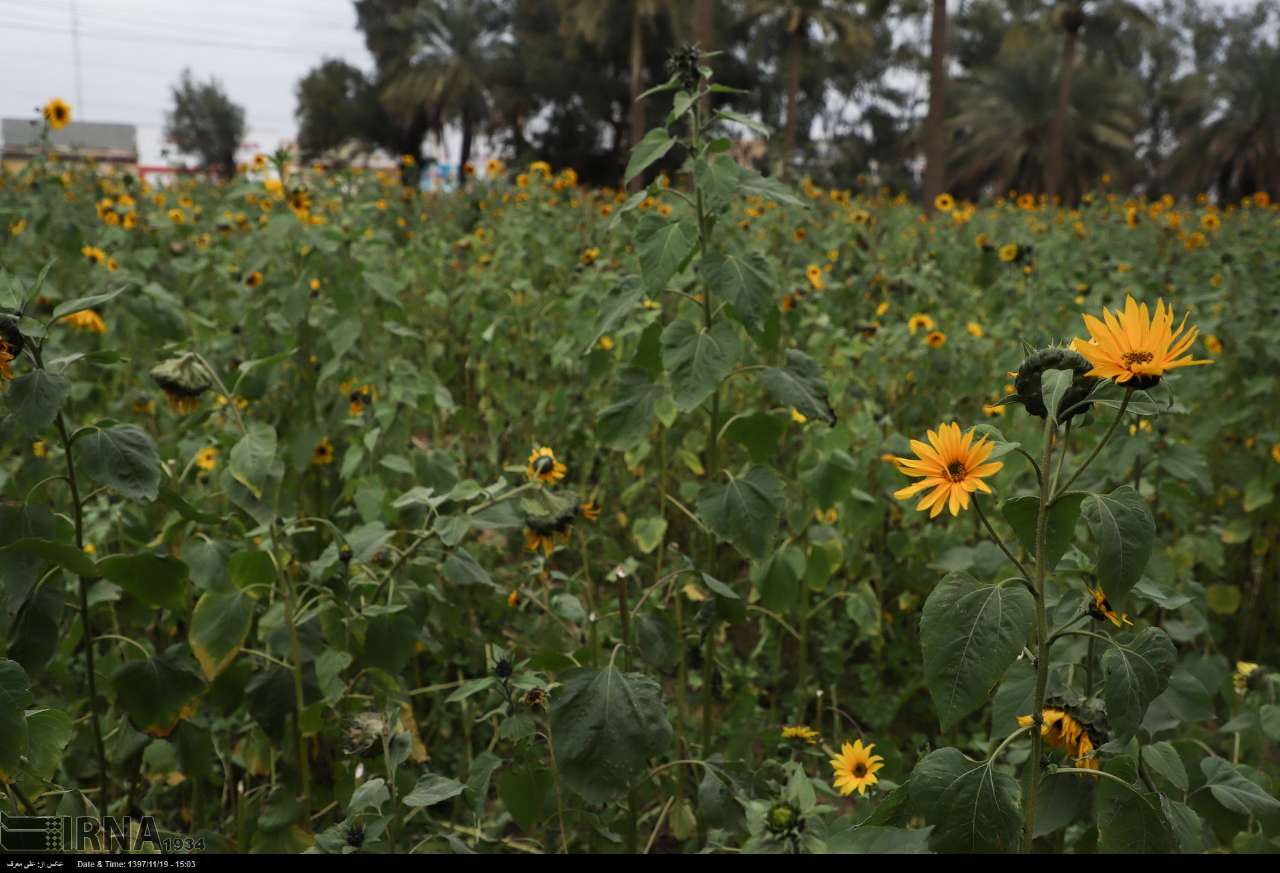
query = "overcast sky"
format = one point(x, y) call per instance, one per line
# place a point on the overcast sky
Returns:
point(132, 51)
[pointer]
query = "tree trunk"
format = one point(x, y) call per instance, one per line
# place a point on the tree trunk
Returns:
point(795, 41)
point(1053, 183)
point(464, 156)
point(935, 131)
point(637, 84)
point(704, 34)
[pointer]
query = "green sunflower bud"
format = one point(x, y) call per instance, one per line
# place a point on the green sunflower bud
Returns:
point(783, 818)
point(1026, 381)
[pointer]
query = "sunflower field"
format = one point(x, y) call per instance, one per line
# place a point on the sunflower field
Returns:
point(731, 514)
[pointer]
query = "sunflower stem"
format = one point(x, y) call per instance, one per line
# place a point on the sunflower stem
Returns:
point(1042, 637)
point(995, 538)
point(1124, 405)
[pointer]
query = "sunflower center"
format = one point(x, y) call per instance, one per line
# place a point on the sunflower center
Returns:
point(859, 770)
point(1132, 358)
point(956, 471)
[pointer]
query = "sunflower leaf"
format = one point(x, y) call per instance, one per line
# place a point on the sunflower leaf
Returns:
point(655, 144)
point(626, 422)
point(1124, 530)
point(744, 280)
point(1021, 514)
point(971, 632)
point(698, 359)
point(1134, 674)
point(664, 251)
point(799, 384)
point(606, 726)
point(973, 806)
point(745, 511)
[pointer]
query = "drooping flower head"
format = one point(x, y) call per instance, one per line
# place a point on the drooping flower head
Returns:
point(1102, 610)
point(801, 733)
point(1071, 730)
point(1135, 348)
point(183, 380)
point(951, 466)
point(86, 320)
point(855, 768)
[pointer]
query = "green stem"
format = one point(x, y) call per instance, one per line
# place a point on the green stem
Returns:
point(1106, 438)
point(1042, 638)
point(995, 538)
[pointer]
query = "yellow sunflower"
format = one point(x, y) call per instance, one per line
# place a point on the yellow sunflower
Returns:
point(207, 458)
point(814, 274)
point(1134, 348)
point(86, 320)
point(6, 358)
point(57, 112)
point(544, 467)
point(855, 768)
point(935, 339)
point(1008, 252)
point(1062, 730)
point(1102, 611)
point(253, 280)
point(919, 321)
point(944, 203)
point(951, 465)
point(323, 454)
point(803, 733)
point(1244, 672)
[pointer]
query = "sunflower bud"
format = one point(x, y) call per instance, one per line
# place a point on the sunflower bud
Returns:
point(784, 818)
point(1026, 381)
point(183, 380)
point(684, 62)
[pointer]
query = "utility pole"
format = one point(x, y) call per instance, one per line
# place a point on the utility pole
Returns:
point(75, 46)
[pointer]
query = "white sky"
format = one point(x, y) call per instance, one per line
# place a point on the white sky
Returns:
point(133, 51)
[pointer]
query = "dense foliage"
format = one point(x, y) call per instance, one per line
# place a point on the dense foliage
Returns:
point(341, 517)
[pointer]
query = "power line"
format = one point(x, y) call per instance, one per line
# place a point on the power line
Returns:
point(99, 35)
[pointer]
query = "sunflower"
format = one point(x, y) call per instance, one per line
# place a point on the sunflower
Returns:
point(589, 510)
point(799, 234)
point(935, 339)
point(1134, 348)
point(803, 733)
point(493, 167)
point(94, 255)
point(1008, 252)
point(177, 216)
point(86, 320)
point(1210, 221)
point(1102, 611)
point(1063, 729)
point(6, 357)
point(207, 458)
point(57, 112)
point(855, 768)
point(1244, 674)
point(814, 274)
point(323, 454)
point(919, 321)
point(589, 256)
point(944, 203)
point(543, 466)
point(953, 466)
point(253, 280)
point(974, 329)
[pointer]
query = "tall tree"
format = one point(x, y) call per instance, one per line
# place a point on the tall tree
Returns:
point(935, 130)
point(204, 122)
point(1103, 21)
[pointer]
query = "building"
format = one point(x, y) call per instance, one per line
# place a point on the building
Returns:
point(103, 142)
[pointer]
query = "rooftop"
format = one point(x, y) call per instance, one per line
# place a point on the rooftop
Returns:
point(102, 140)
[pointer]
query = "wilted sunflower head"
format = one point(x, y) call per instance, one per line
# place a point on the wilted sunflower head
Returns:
point(364, 732)
point(685, 62)
point(183, 379)
point(1026, 381)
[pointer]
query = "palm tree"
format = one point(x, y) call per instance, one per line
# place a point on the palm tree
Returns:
point(455, 46)
point(798, 19)
point(935, 130)
point(1104, 23)
point(1003, 120)
point(1230, 127)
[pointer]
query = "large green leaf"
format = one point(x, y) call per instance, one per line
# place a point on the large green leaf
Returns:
point(1124, 530)
point(971, 632)
point(49, 731)
point(972, 806)
point(799, 384)
point(651, 148)
point(157, 693)
point(745, 281)
point(1235, 791)
point(123, 457)
point(698, 359)
point(219, 626)
point(663, 251)
point(1130, 819)
point(744, 511)
point(15, 697)
point(626, 422)
point(34, 400)
point(158, 580)
point(878, 840)
point(1135, 672)
point(432, 789)
point(606, 726)
point(1021, 513)
point(64, 555)
point(252, 457)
